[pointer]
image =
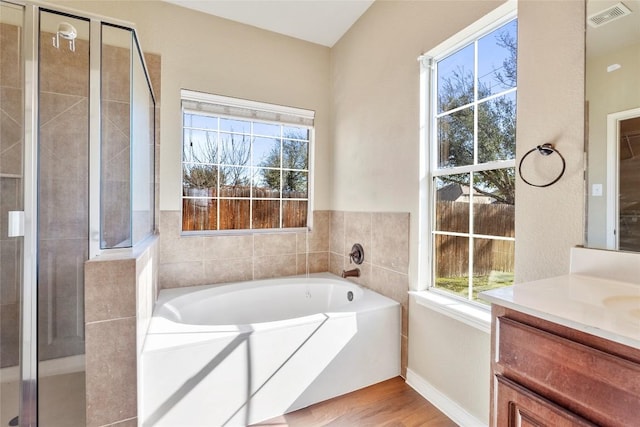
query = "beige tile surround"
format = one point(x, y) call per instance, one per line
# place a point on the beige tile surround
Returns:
point(199, 260)
point(119, 294)
point(385, 239)
point(212, 259)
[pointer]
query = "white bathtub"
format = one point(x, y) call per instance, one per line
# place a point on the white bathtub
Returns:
point(242, 353)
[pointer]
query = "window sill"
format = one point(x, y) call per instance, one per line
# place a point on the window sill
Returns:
point(468, 314)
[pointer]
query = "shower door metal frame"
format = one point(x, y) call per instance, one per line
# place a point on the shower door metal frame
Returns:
point(29, 304)
point(28, 338)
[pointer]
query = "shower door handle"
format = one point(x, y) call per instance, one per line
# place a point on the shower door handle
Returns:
point(16, 224)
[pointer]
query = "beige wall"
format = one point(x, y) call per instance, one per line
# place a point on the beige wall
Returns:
point(375, 79)
point(549, 221)
point(375, 115)
point(205, 53)
point(452, 357)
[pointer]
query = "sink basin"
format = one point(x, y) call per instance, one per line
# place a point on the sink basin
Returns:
point(630, 304)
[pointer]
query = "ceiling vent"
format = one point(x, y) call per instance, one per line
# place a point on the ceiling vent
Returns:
point(608, 15)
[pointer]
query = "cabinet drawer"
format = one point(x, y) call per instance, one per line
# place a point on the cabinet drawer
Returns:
point(519, 407)
point(602, 388)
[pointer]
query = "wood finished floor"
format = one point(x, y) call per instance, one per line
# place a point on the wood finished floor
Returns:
point(389, 403)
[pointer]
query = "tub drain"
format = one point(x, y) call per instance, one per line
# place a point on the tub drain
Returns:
point(350, 296)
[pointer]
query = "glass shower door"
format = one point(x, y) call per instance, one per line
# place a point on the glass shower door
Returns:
point(11, 201)
point(50, 204)
point(127, 143)
point(63, 216)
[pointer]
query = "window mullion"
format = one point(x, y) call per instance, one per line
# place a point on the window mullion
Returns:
point(281, 174)
point(475, 103)
point(219, 161)
point(475, 162)
point(500, 164)
point(471, 232)
point(252, 171)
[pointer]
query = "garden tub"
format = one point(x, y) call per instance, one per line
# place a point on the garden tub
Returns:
point(241, 353)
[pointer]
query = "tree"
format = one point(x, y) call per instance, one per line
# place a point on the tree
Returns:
point(295, 156)
point(236, 151)
point(496, 121)
point(508, 77)
point(201, 173)
point(202, 168)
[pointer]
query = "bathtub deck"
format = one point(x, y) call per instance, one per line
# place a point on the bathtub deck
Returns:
point(391, 402)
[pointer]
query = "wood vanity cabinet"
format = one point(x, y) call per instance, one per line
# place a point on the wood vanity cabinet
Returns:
point(545, 374)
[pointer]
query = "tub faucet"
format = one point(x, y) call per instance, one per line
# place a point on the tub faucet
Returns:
point(351, 273)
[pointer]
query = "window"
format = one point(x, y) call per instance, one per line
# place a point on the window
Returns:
point(468, 173)
point(245, 165)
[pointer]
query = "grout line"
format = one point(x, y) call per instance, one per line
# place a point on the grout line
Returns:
point(110, 320)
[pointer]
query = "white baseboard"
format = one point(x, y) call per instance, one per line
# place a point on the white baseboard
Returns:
point(447, 406)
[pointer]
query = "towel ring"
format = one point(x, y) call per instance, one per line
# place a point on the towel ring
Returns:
point(546, 150)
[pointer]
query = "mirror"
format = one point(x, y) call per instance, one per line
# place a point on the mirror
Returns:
point(613, 124)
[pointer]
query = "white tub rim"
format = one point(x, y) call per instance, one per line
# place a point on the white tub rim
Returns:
point(194, 333)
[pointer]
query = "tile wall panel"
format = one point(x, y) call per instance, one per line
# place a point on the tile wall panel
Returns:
point(212, 259)
point(111, 371)
point(120, 292)
point(110, 290)
point(384, 237)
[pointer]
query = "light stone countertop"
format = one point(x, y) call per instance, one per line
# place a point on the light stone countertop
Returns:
point(605, 308)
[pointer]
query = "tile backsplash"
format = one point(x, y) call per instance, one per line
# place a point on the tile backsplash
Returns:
point(384, 237)
point(212, 259)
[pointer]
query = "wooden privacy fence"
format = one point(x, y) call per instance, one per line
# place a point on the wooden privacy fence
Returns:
point(489, 254)
point(201, 212)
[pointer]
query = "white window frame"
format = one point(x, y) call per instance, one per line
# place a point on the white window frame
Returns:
point(253, 111)
point(467, 311)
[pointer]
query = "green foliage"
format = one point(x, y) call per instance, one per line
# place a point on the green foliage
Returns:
point(496, 127)
point(460, 285)
point(294, 156)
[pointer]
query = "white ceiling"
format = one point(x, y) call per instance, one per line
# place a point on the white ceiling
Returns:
point(325, 21)
point(318, 21)
point(616, 34)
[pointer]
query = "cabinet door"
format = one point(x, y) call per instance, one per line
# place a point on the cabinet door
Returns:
point(517, 406)
point(594, 384)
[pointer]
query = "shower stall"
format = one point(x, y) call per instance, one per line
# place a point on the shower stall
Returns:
point(77, 179)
